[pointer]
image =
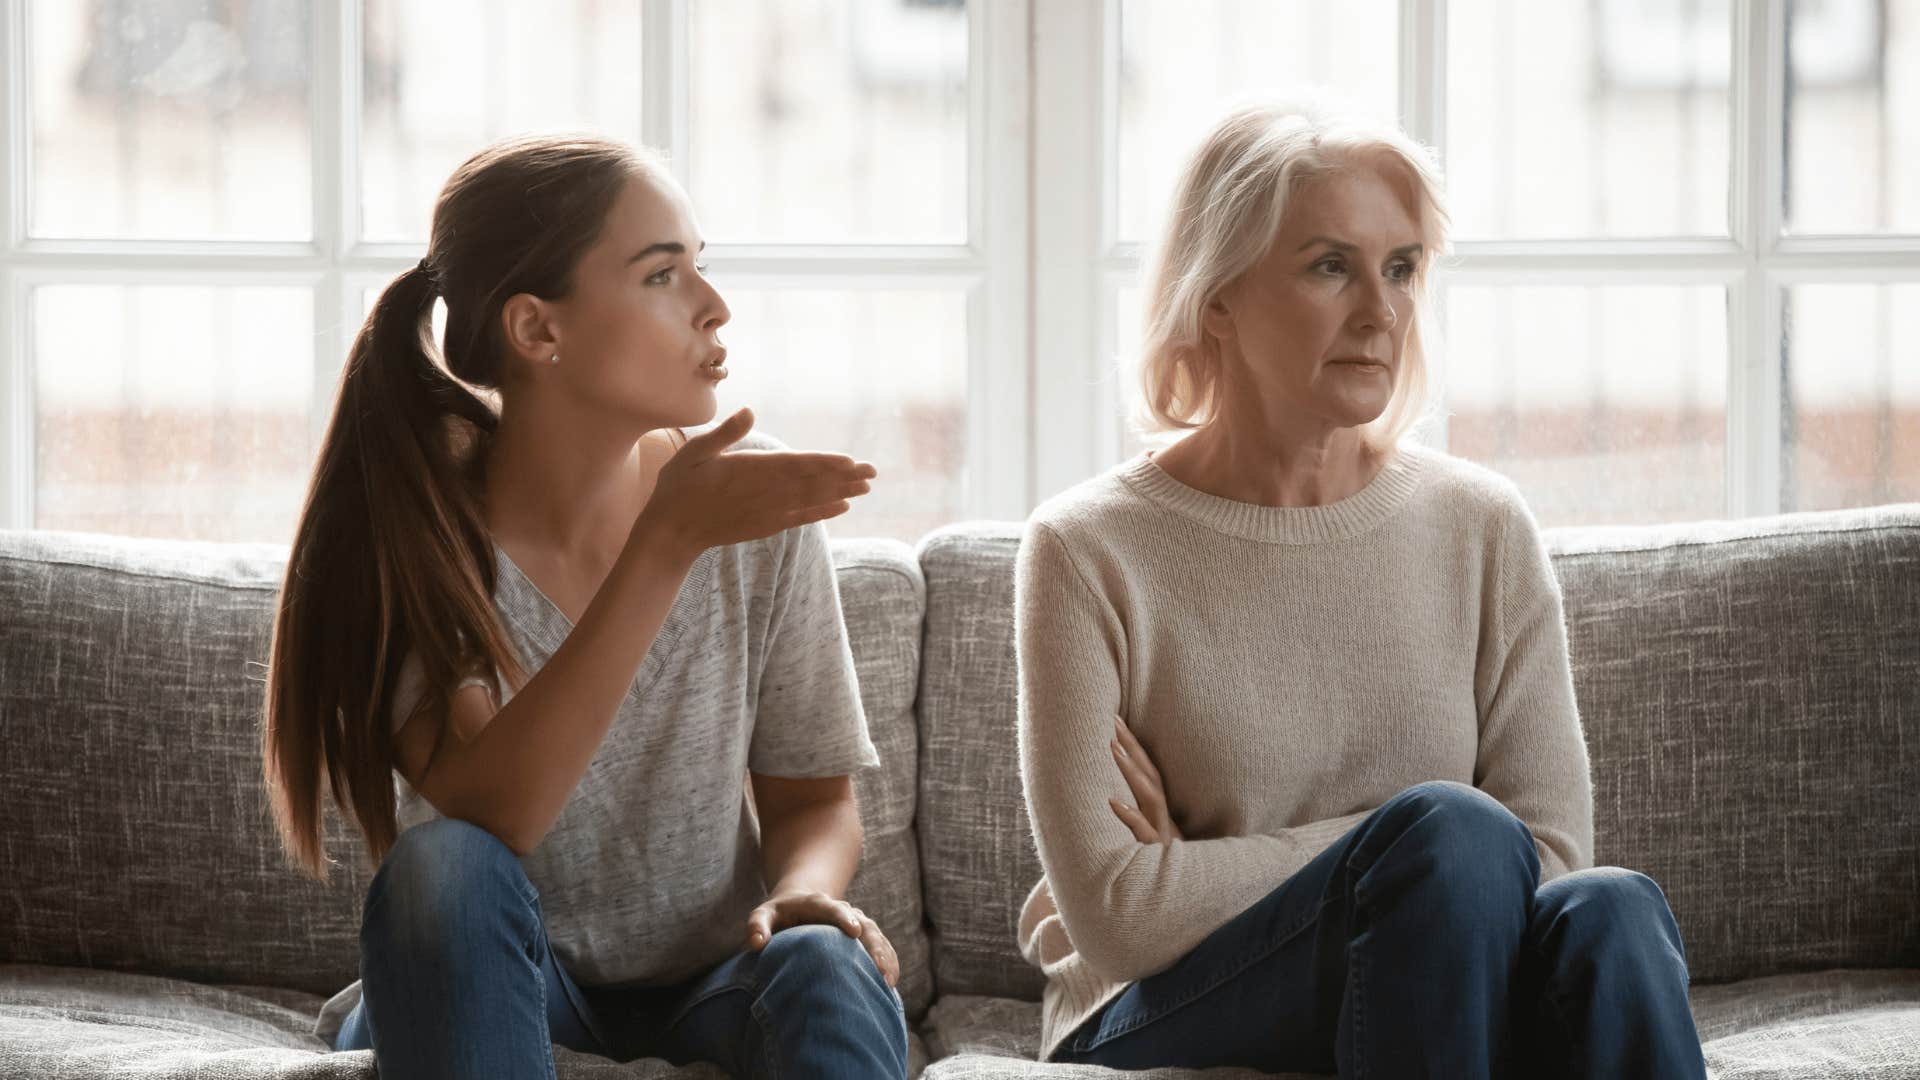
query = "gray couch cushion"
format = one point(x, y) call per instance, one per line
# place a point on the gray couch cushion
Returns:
point(1751, 696)
point(884, 599)
point(62, 1023)
point(138, 836)
point(76, 1024)
point(976, 849)
point(1751, 692)
point(1833, 1025)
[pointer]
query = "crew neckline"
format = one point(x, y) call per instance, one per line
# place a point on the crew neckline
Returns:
point(1348, 517)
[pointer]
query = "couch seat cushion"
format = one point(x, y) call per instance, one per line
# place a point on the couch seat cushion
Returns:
point(1826, 1025)
point(62, 1023)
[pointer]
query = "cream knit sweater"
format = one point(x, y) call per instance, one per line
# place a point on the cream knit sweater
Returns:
point(1289, 670)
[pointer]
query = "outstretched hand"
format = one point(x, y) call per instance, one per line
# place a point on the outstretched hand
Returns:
point(706, 497)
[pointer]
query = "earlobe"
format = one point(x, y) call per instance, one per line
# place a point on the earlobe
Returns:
point(527, 325)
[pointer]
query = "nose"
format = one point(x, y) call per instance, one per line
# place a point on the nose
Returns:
point(1376, 311)
point(714, 313)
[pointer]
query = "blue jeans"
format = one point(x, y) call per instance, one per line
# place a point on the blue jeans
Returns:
point(457, 980)
point(1419, 945)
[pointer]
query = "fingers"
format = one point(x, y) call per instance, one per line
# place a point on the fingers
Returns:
point(1135, 824)
point(760, 927)
point(1135, 751)
point(710, 443)
point(1145, 788)
point(796, 518)
point(881, 950)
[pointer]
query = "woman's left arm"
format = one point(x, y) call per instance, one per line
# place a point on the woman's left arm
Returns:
point(809, 734)
point(810, 839)
point(1533, 754)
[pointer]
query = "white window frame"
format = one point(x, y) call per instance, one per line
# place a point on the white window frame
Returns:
point(1083, 264)
point(1041, 264)
point(989, 268)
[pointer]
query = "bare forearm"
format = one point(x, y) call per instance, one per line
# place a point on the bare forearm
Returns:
point(516, 774)
point(811, 848)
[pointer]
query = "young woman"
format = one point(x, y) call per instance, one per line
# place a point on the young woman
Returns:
point(538, 650)
point(1297, 723)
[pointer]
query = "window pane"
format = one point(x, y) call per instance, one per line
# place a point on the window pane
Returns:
point(175, 119)
point(1853, 116)
point(1605, 404)
point(172, 411)
point(1850, 424)
point(1182, 63)
point(1576, 119)
point(829, 121)
point(445, 77)
point(878, 375)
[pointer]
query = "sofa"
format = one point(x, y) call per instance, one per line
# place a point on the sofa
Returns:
point(1750, 692)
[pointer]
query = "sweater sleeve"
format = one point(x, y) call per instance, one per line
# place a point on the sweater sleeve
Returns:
point(1533, 754)
point(1129, 909)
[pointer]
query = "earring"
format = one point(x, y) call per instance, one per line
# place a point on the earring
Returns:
point(554, 359)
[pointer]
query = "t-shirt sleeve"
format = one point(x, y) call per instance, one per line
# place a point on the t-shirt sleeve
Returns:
point(808, 720)
point(411, 686)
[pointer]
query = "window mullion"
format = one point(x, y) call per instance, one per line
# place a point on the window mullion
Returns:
point(1074, 418)
point(16, 381)
point(1000, 437)
point(1423, 113)
point(335, 96)
point(1755, 327)
point(665, 81)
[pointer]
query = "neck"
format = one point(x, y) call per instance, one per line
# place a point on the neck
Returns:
point(562, 484)
point(1273, 465)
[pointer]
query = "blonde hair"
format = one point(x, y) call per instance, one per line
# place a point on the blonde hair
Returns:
point(1227, 208)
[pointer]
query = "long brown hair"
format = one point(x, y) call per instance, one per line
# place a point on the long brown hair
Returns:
point(392, 554)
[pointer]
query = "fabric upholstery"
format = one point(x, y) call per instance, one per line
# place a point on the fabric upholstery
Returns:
point(976, 847)
point(131, 680)
point(1751, 695)
point(1831, 1025)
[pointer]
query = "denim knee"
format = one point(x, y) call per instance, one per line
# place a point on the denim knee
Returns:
point(814, 953)
point(442, 881)
point(1468, 839)
point(1606, 910)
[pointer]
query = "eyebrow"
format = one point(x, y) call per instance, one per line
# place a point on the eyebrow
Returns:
point(670, 247)
point(1342, 245)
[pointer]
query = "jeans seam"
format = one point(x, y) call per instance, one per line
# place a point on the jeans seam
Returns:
point(767, 1064)
point(1279, 941)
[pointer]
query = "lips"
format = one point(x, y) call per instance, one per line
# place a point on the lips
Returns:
point(715, 366)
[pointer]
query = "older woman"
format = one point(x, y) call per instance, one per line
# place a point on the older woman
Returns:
point(1297, 726)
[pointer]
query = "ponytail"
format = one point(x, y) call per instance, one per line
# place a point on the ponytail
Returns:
point(392, 555)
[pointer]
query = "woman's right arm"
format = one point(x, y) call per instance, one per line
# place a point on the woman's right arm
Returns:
point(517, 769)
point(1130, 908)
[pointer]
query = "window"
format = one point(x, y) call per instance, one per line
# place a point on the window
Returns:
point(1681, 230)
point(1685, 232)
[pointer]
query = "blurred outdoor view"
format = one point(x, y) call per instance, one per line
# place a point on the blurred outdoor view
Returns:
point(177, 406)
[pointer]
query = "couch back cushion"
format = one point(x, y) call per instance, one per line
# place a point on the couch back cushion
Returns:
point(137, 835)
point(1751, 698)
point(1751, 694)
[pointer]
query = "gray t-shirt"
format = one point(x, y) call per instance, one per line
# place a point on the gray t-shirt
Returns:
point(648, 875)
